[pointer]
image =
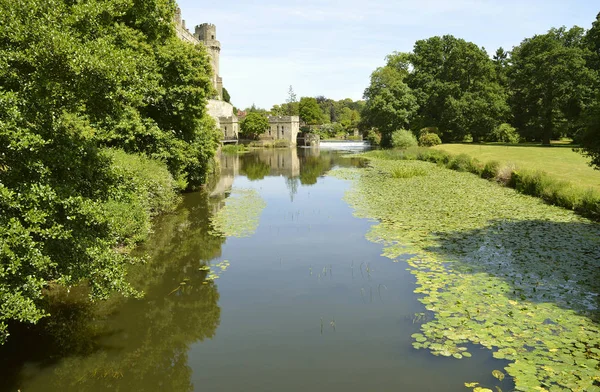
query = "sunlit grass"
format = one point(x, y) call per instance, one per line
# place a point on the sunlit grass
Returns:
point(561, 163)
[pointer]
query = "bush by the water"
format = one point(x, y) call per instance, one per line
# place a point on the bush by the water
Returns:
point(404, 139)
point(374, 138)
point(465, 163)
point(86, 76)
point(429, 140)
point(234, 148)
point(490, 170)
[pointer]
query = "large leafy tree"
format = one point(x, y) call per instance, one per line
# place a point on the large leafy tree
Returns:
point(310, 112)
point(551, 84)
point(590, 134)
point(253, 125)
point(76, 77)
point(390, 103)
point(457, 87)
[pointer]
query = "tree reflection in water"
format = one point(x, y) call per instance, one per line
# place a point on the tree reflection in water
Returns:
point(135, 344)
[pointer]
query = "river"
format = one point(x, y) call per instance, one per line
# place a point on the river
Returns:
point(302, 302)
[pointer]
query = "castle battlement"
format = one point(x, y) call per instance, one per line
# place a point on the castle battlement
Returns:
point(284, 119)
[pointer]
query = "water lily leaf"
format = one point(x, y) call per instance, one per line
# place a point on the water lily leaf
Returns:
point(498, 374)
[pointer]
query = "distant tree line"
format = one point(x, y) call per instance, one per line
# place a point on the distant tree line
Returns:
point(321, 115)
point(102, 119)
point(545, 88)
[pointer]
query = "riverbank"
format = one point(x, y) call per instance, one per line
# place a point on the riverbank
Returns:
point(558, 161)
point(584, 201)
point(496, 268)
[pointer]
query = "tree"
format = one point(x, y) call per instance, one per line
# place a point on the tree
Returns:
point(501, 65)
point(310, 112)
point(592, 41)
point(390, 103)
point(291, 106)
point(590, 140)
point(86, 76)
point(590, 134)
point(253, 125)
point(226, 96)
point(456, 86)
point(291, 95)
point(551, 84)
point(349, 118)
point(277, 110)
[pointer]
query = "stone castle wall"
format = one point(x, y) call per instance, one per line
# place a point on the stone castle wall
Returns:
point(282, 128)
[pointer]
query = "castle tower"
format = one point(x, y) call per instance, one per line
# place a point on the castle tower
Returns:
point(207, 34)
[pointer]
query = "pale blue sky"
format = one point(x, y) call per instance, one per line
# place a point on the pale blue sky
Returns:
point(331, 47)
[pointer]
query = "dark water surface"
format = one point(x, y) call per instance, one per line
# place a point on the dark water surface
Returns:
point(306, 303)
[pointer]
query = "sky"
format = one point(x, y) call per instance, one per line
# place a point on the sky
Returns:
point(330, 47)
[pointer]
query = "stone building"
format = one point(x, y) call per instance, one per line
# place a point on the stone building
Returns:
point(221, 111)
point(282, 128)
point(207, 34)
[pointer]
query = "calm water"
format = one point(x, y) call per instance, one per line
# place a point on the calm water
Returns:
point(306, 304)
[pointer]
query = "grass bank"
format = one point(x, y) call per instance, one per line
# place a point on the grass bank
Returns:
point(558, 161)
point(496, 269)
point(547, 186)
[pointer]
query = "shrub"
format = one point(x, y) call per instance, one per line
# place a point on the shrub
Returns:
point(281, 143)
point(373, 137)
point(504, 133)
point(429, 140)
point(403, 139)
point(434, 130)
point(490, 169)
point(464, 163)
point(234, 148)
point(433, 155)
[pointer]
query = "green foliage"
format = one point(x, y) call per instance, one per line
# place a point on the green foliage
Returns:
point(403, 139)
point(310, 112)
point(455, 82)
point(551, 84)
point(373, 137)
point(390, 103)
point(226, 96)
point(240, 216)
point(589, 140)
point(465, 163)
point(504, 133)
point(429, 140)
point(586, 202)
point(490, 170)
point(234, 148)
point(407, 172)
point(253, 125)
point(254, 168)
point(281, 143)
point(556, 192)
point(76, 77)
point(477, 271)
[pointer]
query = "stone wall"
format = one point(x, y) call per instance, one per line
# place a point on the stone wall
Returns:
point(221, 111)
point(282, 127)
point(219, 108)
point(230, 127)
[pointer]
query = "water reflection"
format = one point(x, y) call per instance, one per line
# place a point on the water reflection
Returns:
point(135, 344)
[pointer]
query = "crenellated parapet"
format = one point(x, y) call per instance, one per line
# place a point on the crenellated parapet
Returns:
point(205, 33)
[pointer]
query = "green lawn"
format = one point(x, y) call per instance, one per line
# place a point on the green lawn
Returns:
point(559, 161)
